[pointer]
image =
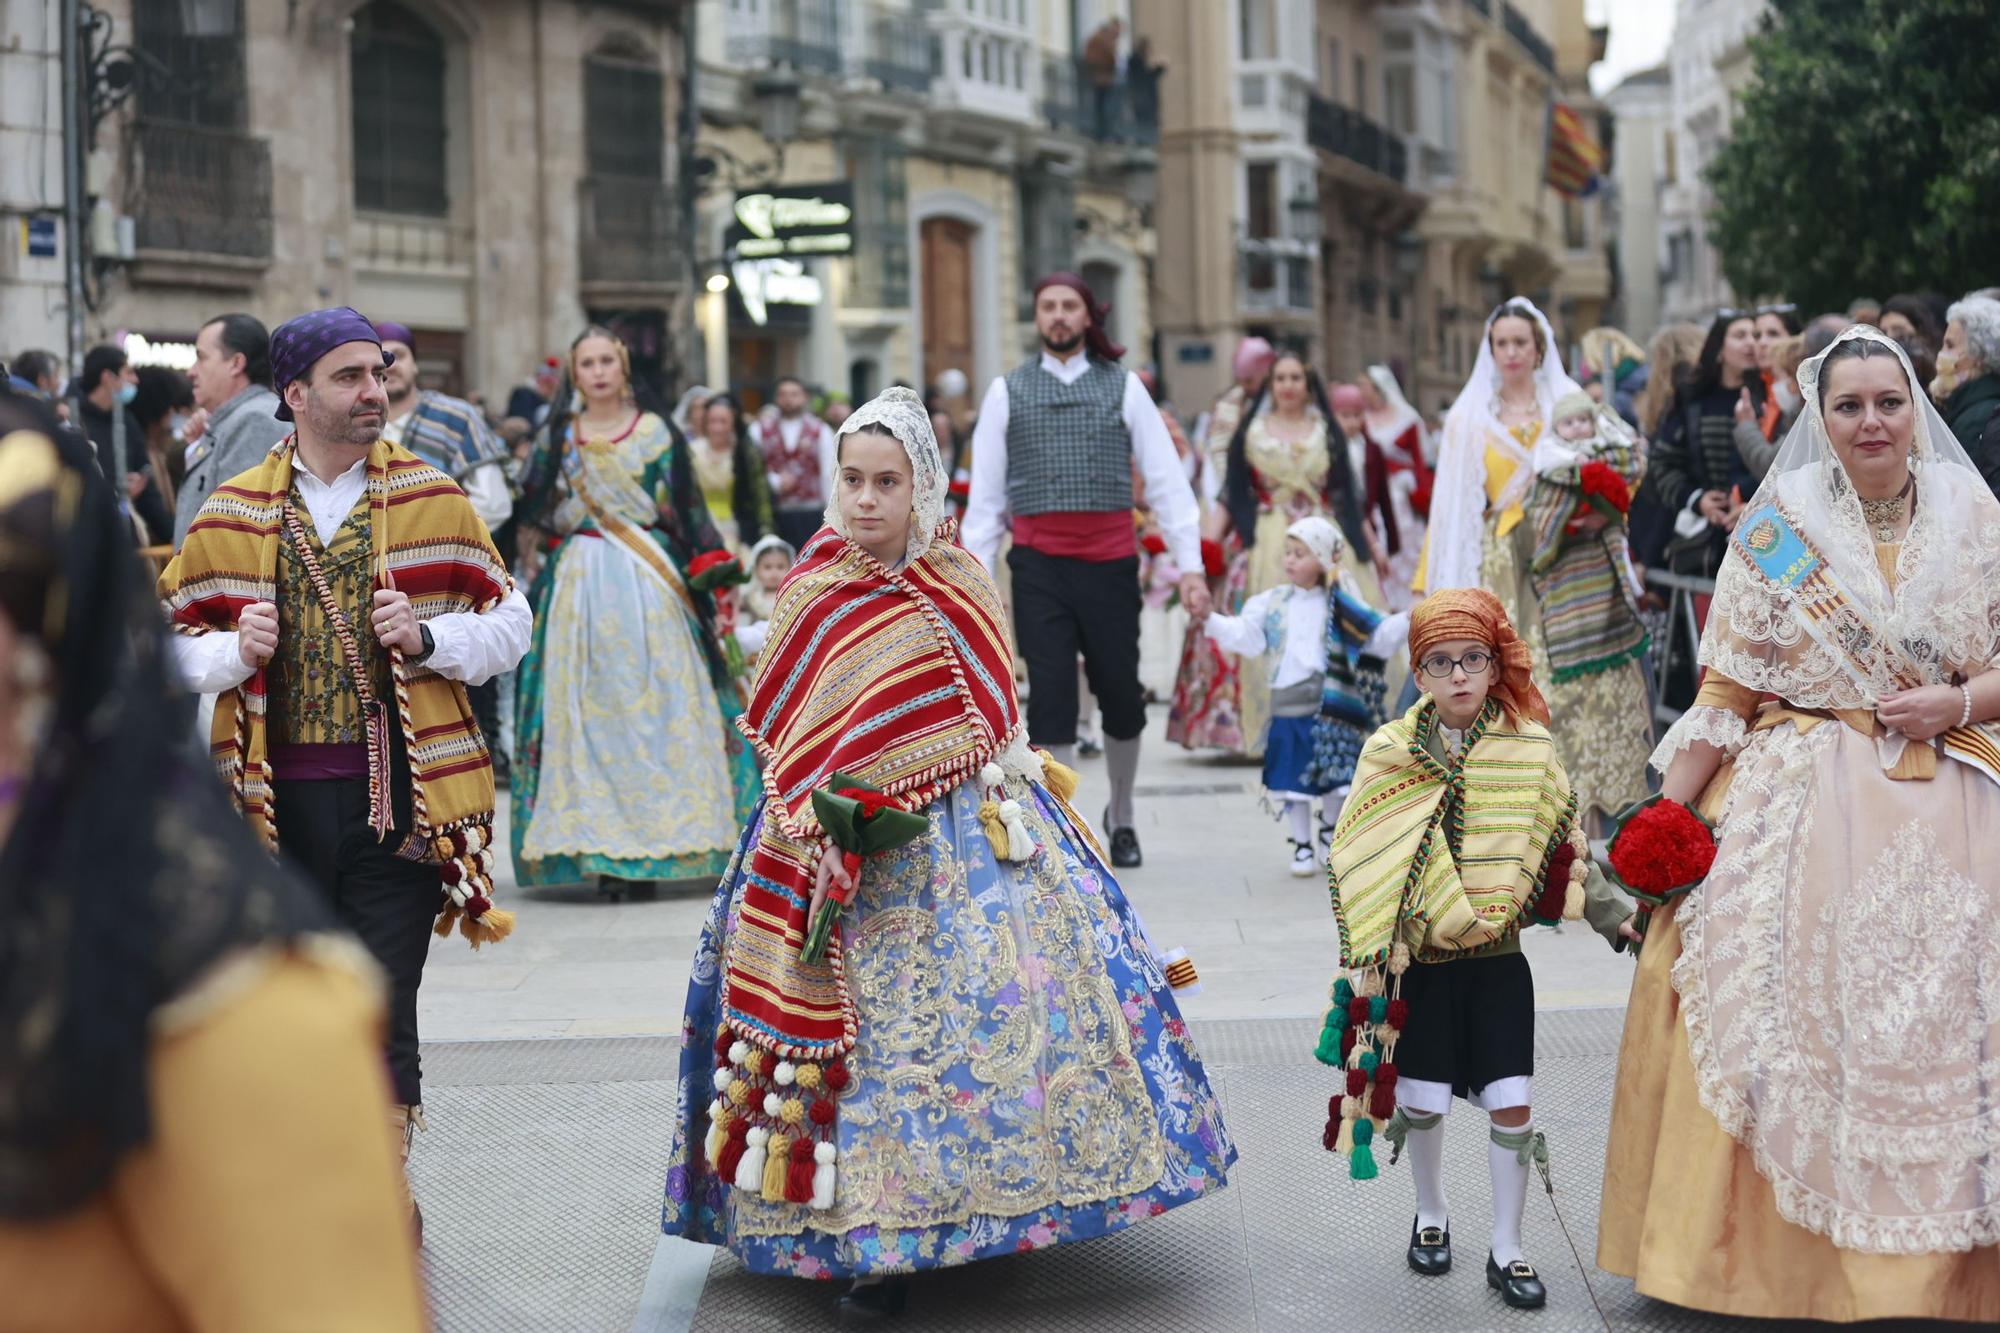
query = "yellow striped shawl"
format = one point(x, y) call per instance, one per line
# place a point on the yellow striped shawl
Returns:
point(1444, 857)
point(429, 544)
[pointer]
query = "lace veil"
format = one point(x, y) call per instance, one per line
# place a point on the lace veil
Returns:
point(1942, 615)
point(900, 412)
point(1458, 500)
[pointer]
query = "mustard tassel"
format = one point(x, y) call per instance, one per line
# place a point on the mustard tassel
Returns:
point(491, 928)
point(1060, 779)
point(718, 1125)
point(775, 1166)
point(1573, 901)
point(996, 832)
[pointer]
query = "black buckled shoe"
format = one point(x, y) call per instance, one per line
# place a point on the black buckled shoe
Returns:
point(1124, 845)
point(1430, 1249)
point(1518, 1284)
point(871, 1302)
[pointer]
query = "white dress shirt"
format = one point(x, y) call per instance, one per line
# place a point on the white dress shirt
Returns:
point(469, 646)
point(485, 485)
point(1167, 488)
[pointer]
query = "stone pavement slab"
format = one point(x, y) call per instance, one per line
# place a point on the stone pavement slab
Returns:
point(541, 1179)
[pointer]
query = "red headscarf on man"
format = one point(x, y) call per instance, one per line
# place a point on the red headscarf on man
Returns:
point(1094, 337)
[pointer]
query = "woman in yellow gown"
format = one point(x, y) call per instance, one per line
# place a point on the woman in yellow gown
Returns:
point(1602, 722)
point(191, 1081)
point(1807, 1116)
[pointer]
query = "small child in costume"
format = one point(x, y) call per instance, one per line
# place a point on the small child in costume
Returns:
point(1577, 553)
point(770, 560)
point(1461, 828)
point(1325, 648)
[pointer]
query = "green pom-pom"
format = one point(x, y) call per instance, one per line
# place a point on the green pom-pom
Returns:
point(1343, 993)
point(1364, 1132)
point(1369, 1060)
point(1336, 1019)
point(1378, 1009)
point(1361, 1166)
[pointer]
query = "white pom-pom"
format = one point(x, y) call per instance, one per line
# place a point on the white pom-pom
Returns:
point(992, 775)
point(772, 1103)
point(757, 1137)
point(723, 1078)
point(784, 1073)
point(737, 1050)
point(824, 1153)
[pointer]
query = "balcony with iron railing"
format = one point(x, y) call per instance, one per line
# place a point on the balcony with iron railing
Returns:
point(804, 34)
point(1347, 133)
point(627, 231)
point(1073, 101)
point(199, 191)
point(1274, 278)
point(898, 53)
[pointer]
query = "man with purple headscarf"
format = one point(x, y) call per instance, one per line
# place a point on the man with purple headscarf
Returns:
point(1054, 450)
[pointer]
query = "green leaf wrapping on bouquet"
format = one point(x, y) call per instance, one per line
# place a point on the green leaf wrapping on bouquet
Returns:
point(854, 830)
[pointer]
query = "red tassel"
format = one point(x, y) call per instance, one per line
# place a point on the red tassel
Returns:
point(1357, 1082)
point(799, 1180)
point(1385, 1076)
point(1399, 1014)
point(1330, 1140)
point(1346, 1043)
point(1333, 1107)
point(732, 1150)
point(1382, 1104)
point(724, 1039)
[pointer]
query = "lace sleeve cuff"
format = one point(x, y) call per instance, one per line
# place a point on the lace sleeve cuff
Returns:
point(1717, 726)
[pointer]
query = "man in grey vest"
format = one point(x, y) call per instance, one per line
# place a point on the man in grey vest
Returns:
point(1054, 449)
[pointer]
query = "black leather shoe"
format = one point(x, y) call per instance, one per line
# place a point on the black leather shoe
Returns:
point(1125, 849)
point(870, 1302)
point(1430, 1249)
point(1518, 1284)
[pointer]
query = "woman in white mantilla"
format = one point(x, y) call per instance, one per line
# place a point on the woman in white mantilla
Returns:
point(1807, 1118)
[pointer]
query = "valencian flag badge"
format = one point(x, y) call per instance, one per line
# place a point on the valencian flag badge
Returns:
point(1575, 160)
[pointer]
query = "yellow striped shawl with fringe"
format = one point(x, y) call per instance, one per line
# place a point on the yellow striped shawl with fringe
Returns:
point(1445, 856)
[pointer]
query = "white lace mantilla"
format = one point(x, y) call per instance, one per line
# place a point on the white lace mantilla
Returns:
point(1840, 981)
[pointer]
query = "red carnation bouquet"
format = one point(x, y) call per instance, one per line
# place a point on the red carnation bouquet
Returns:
point(715, 569)
point(861, 820)
point(1214, 562)
point(1604, 490)
point(1659, 850)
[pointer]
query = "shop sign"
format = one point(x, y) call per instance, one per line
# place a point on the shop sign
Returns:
point(763, 283)
point(143, 351)
point(793, 221)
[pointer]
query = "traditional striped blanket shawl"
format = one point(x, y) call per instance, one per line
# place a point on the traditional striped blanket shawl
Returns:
point(1444, 857)
point(901, 679)
point(1580, 579)
point(430, 545)
point(451, 435)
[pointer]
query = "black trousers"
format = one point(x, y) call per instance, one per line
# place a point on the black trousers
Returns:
point(386, 902)
point(1063, 607)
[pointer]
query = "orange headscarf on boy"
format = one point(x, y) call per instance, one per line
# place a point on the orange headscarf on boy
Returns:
point(1476, 614)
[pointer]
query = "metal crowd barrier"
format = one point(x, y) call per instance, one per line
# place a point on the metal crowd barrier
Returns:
point(1681, 590)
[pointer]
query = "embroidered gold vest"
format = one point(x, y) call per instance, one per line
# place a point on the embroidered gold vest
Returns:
point(312, 696)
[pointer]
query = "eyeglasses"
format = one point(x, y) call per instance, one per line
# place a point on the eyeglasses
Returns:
point(1439, 667)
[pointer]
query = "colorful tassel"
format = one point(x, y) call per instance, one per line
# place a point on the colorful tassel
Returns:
point(1060, 779)
point(1382, 1102)
point(823, 1175)
point(1398, 1016)
point(799, 1175)
point(777, 1161)
point(718, 1125)
point(1343, 1142)
point(1357, 1082)
point(1361, 1166)
point(750, 1171)
point(733, 1146)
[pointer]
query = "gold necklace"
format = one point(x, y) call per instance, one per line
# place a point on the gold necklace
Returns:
point(1882, 516)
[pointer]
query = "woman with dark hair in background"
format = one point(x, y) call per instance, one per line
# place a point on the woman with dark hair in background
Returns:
point(1287, 460)
point(731, 472)
point(1909, 315)
point(191, 1135)
point(163, 404)
point(1695, 466)
point(626, 765)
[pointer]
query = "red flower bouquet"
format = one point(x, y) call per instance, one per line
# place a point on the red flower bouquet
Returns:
point(1213, 562)
point(715, 569)
point(1604, 490)
point(1153, 544)
point(1659, 850)
point(861, 820)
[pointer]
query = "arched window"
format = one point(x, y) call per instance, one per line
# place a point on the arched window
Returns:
point(397, 64)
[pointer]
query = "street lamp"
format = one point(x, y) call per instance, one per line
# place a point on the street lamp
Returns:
point(777, 93)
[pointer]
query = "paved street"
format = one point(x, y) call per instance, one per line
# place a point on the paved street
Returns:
point(550, 1063)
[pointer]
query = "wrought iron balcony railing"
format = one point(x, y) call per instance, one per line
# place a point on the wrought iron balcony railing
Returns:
point(200, 191)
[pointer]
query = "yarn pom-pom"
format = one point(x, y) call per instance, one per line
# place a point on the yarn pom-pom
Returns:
point(737, 1050)
point(835, 1077)
point(784, 1073)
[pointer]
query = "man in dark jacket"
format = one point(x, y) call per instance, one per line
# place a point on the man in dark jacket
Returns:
point(107, 387)
point(1967, 387)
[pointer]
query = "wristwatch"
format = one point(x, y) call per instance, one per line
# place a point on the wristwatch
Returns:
point(430, 645)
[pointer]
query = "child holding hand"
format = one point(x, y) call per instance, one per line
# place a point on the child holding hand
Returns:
point(1324, 649)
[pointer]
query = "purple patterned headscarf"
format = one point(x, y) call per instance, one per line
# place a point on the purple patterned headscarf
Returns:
point(298, 343)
